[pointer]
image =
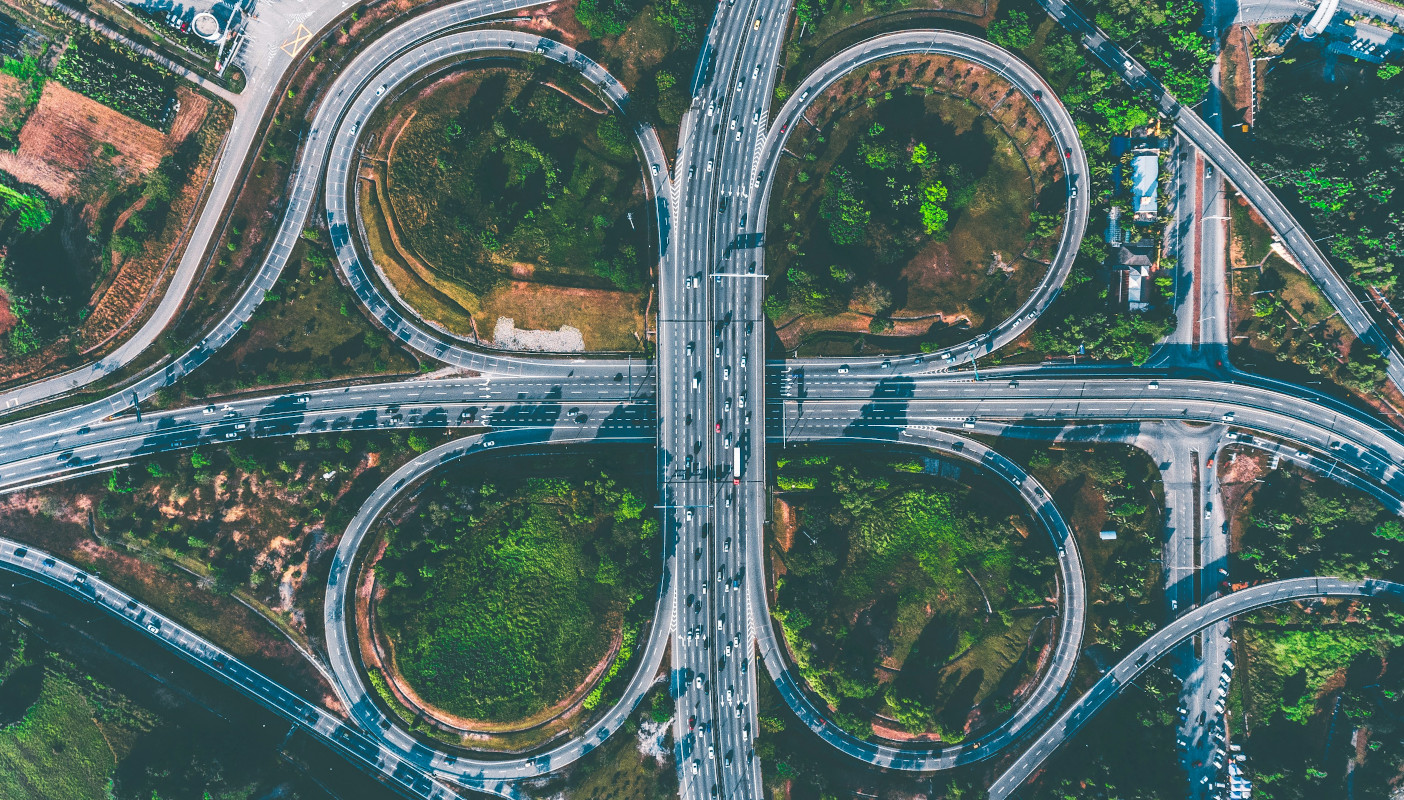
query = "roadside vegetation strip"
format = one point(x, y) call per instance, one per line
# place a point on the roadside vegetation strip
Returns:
point(409, 65)
point(361, 700)
point(945, 589)
point(366, 754)
point(1008, 67)
point(1118, 677)
point(1049, 689)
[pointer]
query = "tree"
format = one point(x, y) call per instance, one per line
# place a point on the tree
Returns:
point(1387, 71)
point(874, 296)
point(846, 214)
point(1391, 530)
point(1012, 32)
point(1045, 225)
point(933, 214)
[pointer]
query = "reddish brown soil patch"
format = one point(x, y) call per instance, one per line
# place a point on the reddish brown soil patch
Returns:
point(64, 136)
point(1237, 479)
point(7, 317)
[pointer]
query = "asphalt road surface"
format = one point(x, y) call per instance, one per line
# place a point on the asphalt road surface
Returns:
point(1160, 643)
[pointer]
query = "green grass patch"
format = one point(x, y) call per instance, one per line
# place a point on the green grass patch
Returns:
point(887, 573)
point(503, 594)
point(309, 328)
point(57, 749)
point(497, 169)
point(1253, 237)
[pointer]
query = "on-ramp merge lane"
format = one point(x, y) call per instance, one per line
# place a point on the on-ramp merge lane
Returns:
point(341, 649)
point(1057, 673)
point(1162, 642)
point(1023, 78)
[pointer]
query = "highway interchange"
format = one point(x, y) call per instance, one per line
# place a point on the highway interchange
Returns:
point(711, 402)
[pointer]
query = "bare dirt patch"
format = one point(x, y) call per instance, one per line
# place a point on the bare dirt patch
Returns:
point(1238, 476)
point(66, 133)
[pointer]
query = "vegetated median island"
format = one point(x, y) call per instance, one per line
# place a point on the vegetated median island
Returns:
point(500, 597)
point(907, 607)
point(513, 194)
point(915, 212)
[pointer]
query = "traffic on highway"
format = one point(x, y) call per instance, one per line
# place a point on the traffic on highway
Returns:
point(712, 395)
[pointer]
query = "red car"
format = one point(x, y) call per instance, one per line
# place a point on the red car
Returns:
point(1038, 95)
point(1067, 152)
point(691, 722)
point(718, 427)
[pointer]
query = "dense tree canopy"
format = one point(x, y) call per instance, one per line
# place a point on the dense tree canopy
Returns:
point(1318, 528)
point(913, 560)
point(500, 598)
point(1336, 153)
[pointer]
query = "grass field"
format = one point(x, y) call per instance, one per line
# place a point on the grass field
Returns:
point(898, 590)
point(910, 212)
point(531, 188)
point(57, 750)
point(502, 594)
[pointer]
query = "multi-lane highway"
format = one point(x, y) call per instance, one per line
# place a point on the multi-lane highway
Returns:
point(706, 400)
point(711, 391)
